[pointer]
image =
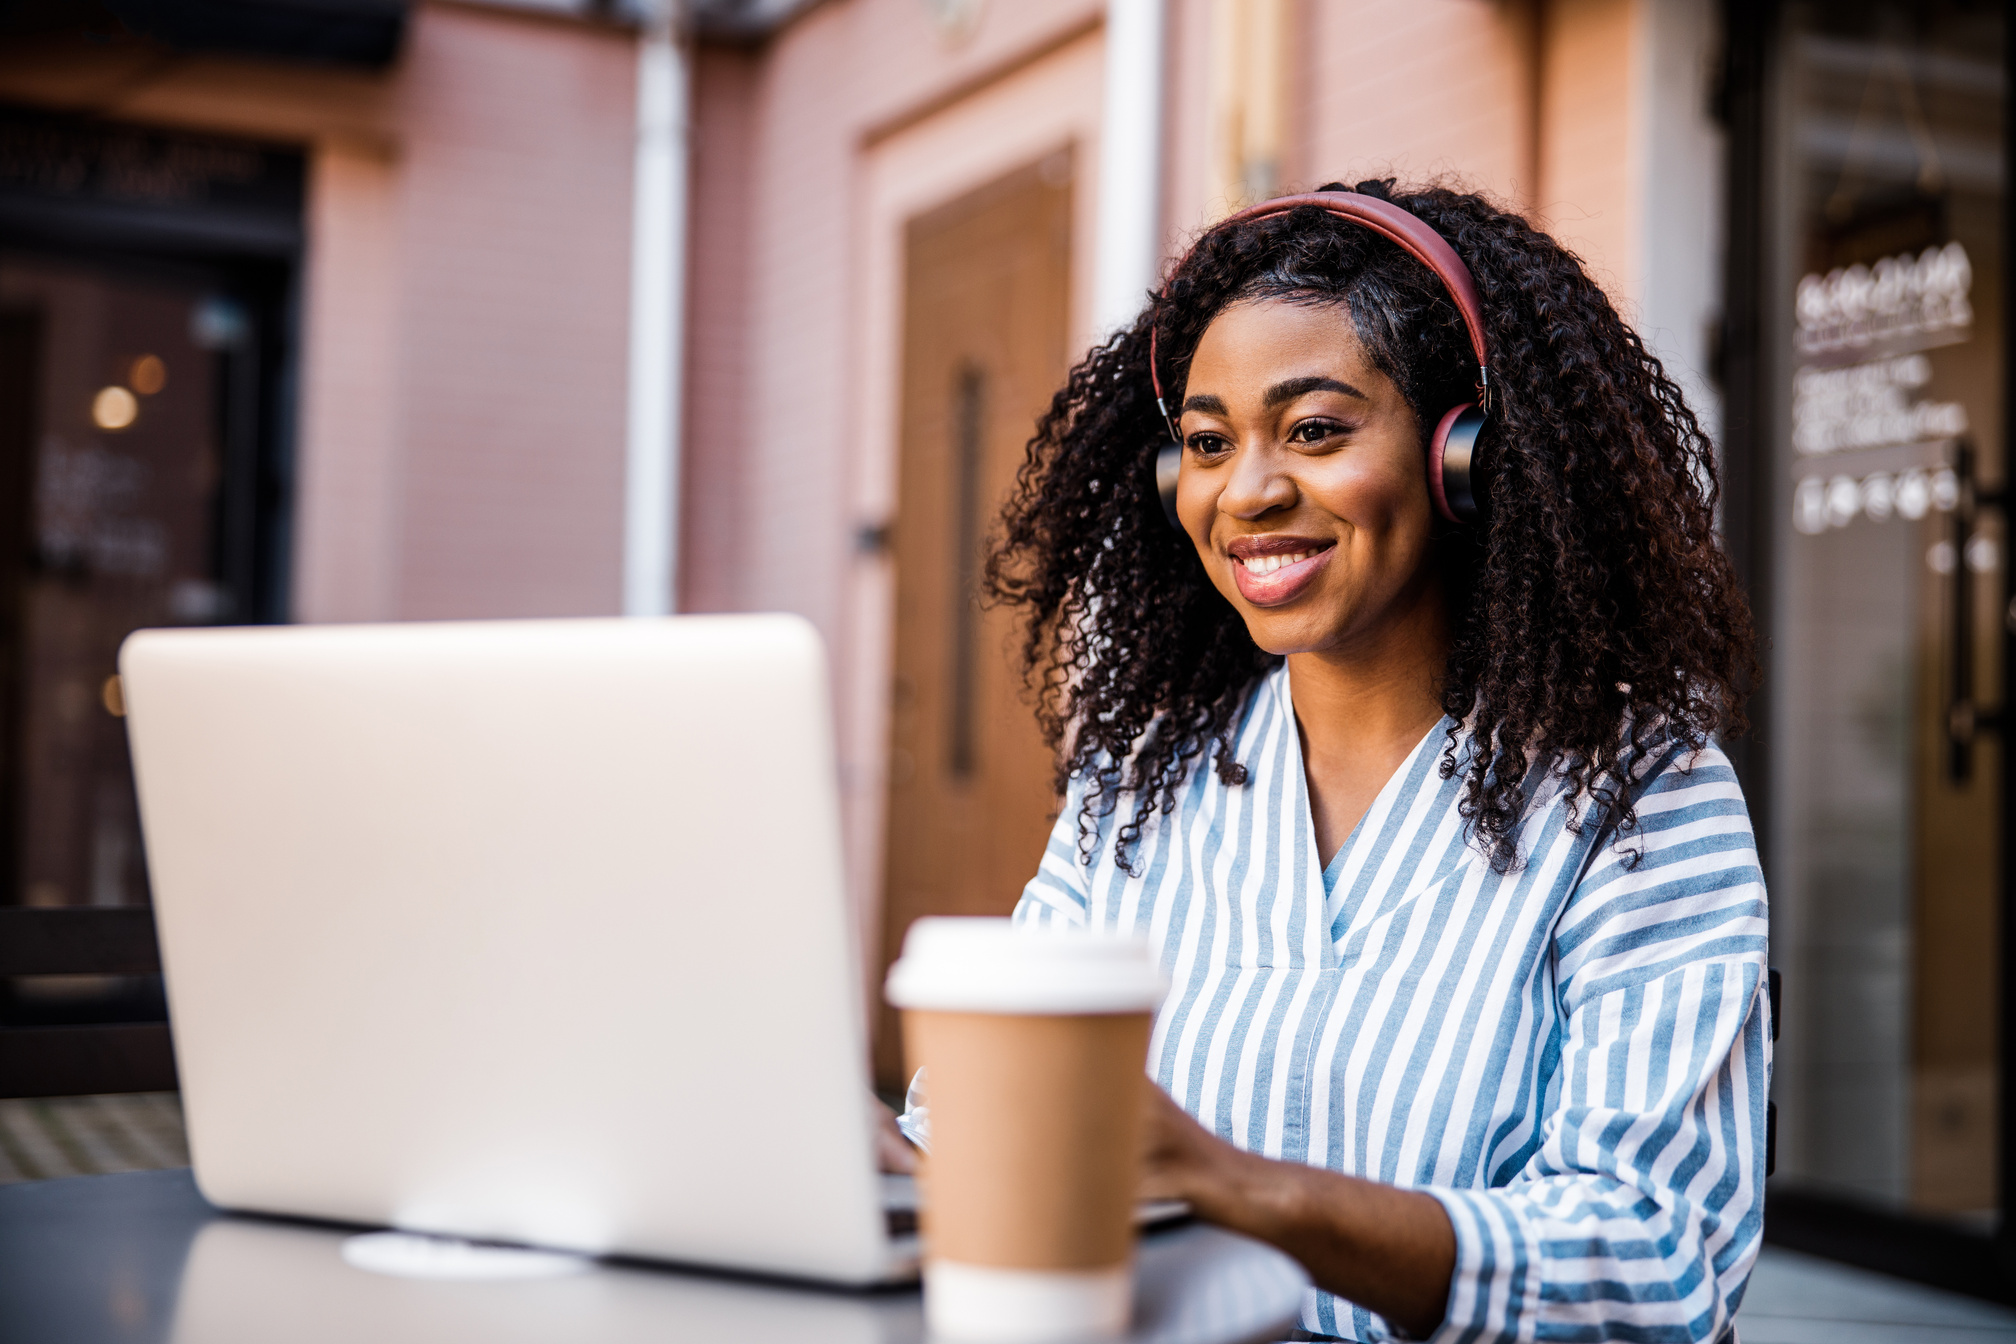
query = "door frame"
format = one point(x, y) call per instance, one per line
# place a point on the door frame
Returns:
point(1019, 116)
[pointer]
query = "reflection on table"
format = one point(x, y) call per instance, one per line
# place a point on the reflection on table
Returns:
point(141, 1257)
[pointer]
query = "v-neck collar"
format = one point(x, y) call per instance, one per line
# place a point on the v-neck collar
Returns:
point(1334, 869)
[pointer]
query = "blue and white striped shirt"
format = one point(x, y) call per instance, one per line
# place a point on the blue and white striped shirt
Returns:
point(1572, 1057)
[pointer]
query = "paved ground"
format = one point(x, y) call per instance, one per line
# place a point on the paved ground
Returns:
point(1797, 1299)
point(1793, 1298)
point(81, 1136)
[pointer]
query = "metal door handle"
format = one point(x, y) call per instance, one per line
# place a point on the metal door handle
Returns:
point(1965, 720)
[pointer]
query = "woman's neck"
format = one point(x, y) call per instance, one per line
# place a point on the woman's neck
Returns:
point(1363, 708)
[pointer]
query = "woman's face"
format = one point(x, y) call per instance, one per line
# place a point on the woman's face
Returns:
point(1303, 483)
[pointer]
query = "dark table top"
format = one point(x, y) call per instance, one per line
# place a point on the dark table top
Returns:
point(141, 1257)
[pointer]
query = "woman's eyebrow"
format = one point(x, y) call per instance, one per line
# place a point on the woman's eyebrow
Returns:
point(1296, 387)
point(1206, 403)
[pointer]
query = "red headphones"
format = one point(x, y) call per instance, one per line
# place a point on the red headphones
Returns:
point(1454, 479)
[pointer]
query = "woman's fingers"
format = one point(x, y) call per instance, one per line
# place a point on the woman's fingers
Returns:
point(893, 1152)
point(1175, 1149)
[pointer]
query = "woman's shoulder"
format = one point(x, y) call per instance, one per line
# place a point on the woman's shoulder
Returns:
point(1098, 801)
point(1672, 890)
point(1661, 768)
point(1671, 800)
point(1684, 778)
point(1685, 835)
point(1263, 705)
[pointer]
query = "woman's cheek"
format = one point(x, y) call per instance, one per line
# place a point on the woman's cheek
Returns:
point(1198, 512)
point(1368, 497)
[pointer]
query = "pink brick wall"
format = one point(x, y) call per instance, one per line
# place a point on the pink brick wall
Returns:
point(348, 498)
point(1589, 157)
point(514, 302)
point(788, 548)
point(1424, 87)
point(716, 496)
point(1415, 87)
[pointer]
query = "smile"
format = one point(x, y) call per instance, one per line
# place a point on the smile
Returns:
point(1267, 564)
point(1271, 571)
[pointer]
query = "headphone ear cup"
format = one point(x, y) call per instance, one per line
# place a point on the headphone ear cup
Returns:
point(1168, 465)
point(1455, 466)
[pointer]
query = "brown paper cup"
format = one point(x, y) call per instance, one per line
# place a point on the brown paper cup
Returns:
point(1035, 1042)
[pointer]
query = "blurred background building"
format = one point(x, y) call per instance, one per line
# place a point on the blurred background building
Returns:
point(375, 310)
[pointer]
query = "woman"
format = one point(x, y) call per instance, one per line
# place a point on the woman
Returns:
point(1459, 900)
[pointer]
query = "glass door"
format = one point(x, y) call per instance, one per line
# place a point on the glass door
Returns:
point(146, 294)
point(1884, 540)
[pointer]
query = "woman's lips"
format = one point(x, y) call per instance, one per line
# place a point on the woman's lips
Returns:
point(1278, 576)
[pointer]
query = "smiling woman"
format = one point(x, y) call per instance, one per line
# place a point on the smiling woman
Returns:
point(1465, 921)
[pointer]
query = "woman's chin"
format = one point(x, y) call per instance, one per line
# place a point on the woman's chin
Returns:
point(1282, 632)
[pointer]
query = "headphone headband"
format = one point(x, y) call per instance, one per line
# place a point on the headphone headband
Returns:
point(1389, 221)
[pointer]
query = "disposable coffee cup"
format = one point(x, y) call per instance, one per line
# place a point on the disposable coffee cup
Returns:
point(1036, 1042)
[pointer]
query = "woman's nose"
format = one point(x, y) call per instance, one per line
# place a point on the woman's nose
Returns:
point(1258, 484)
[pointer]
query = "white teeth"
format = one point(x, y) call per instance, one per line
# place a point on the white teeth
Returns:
point(1267, 564)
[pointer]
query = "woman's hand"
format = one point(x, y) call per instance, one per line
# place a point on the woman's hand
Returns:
point(1182, 1160)
point(893, 1153)
point(1390, 1250)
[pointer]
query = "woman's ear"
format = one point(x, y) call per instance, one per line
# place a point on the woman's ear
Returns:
point(1168, 470)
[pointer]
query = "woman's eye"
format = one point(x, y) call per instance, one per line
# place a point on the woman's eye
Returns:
point(1206, 445)
point(1314, 431)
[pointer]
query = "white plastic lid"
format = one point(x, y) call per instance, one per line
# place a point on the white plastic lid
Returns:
point(968, 965)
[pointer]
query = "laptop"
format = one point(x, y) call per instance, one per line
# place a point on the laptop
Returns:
point(525, 931)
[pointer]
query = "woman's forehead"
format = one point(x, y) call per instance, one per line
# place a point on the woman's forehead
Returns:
point(1271, 338)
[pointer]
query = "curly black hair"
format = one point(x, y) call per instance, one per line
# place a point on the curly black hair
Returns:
point(1595, 619)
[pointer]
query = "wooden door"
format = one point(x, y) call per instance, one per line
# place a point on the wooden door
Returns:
point(986, 289)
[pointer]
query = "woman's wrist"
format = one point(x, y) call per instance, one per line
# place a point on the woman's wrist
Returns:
point(1389, 1249)
point(1248, 1193)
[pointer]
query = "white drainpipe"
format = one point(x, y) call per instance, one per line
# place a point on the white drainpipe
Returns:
point(657, 317)
point(1127, 258)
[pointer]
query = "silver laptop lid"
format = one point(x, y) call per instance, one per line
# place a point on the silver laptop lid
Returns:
point(520, 930)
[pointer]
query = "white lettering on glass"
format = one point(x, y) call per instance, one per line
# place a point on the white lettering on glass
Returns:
point(1902, 302)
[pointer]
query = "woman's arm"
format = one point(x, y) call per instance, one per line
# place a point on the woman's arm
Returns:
point(1387, 1249)
point(1634, 1209)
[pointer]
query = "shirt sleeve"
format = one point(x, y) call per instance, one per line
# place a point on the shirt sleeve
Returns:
point(1060, 893)
point(1640, 1215)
